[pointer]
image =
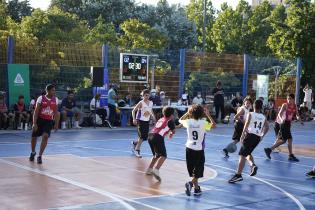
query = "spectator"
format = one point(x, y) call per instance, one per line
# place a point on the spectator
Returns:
point(164, 101)
point(4, 114)
point(128, 100)
point(218, 94)
point(236, 103)
point(112, 98)
point(198, 99)
point(101, 111)
point(308, 96)
point(21, 114)
point(69, 109)
point(185, 99)
point(271, 110)
point(155, 98)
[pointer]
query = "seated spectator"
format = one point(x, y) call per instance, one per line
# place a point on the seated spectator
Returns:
point(155, 98)
point(32, 107)
point(164, 101)
point(69, 109)
point(181, 110)
point(4, 114)
point(198, 99)
point(236, 103)
point(21, 114)
point(101, 111)
point(271, 110)
point(128, 100)
point(304, 113)
point(185, 99)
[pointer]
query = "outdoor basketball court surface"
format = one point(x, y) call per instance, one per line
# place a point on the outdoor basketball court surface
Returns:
point(94, 169)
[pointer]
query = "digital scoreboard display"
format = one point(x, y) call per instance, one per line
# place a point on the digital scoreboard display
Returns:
point(134, 68)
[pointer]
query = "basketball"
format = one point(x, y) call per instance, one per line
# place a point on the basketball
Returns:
point(231, 147)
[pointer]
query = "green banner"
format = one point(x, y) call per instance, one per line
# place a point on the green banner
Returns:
point(19, 83)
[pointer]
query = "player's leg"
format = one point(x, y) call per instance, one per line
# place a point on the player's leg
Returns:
point(238, 175)
point(253, 167)
point(291, 155)
point(42, 147)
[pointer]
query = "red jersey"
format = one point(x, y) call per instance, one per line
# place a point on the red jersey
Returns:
point(3, 107)
point(288, 114)
point(163, 127)
point(48, 108)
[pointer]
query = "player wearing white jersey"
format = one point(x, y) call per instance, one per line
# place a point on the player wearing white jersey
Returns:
point(197, 122)
point(239, 119)
point(141, 116)
point(256, 127)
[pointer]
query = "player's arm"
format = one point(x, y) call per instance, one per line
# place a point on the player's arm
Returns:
point(266, 128)
point(240, 112)
point(185, 116)
point(249, 117)
point(282, 109)
point(35, 115)
point(172, 126)
point(210, 119)
point(135, 109)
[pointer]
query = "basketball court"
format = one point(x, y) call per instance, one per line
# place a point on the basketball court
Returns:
point(94, 169)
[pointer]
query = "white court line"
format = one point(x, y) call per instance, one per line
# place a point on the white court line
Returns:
point(122, 200)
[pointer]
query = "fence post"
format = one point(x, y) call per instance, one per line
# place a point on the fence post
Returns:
point(245, 76)
point(298, 80)
point(182, 55)
point(10, 50)
point(104, 90)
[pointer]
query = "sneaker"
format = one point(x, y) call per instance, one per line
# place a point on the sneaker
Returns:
point(39, 160)
point(77, 127)
point(310, 174)
point(133, 147)
point(149, 171)
point(197, 191)
point(253, 170)
point(156, 174)
point(236, 178)
point(268, 152)
point(137, 153)
point(293, 158)
point(32, 156)
point(225, 153)
point(188, 187)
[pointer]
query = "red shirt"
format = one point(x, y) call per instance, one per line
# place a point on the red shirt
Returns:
point(48, 108)
point(163, 126)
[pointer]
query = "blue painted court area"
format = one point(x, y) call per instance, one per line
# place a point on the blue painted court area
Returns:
point(279, 184)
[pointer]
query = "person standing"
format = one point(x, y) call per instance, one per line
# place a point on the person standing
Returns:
point(112, 98)
point(218, 94)
point(308, 97)
point(45, 118)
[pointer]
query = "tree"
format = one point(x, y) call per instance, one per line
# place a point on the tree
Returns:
point(194, 12)
point(137, 35)
point(19, 9)
point(102, 33)
point(230, 31)
point(3, 14)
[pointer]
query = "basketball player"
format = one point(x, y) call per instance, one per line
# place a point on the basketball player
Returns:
point(255, 128)
point(283, 126)
point(164, 126)
point(45, 118)
point(197, 122)
point(141, 116)
point(239, 118)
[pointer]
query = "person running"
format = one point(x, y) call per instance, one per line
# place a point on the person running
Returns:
point(239, 118)
point(283, 127)
point(255, 128)
point(163, 127)
point(46, 116)
point(141, 116)
point(197, 122)
point(311, 173)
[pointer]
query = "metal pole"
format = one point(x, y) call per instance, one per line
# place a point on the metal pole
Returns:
point(204, 25)
point(298, 80)
point(245, 75)
point(181, 72)
point(152, 74)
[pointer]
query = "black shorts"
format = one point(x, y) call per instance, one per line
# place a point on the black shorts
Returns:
point(143, 129)
point(277, 128)
point(285, 131)
point(195, 161)
point(238, 129)
point(250, 143)
point(157, 145)
point(43, 126)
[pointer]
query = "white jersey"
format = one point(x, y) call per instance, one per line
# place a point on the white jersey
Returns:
point(145, 108)
point(196, 132)
point(244, 116)
point(256, 124)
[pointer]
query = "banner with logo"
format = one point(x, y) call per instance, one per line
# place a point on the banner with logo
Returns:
point(262, 87)
point(18, 82)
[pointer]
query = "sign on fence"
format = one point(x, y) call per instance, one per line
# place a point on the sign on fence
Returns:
point(19, 82)
point(262, 87)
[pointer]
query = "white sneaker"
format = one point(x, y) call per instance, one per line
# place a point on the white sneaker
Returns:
point(149, 171)
point(63, 125)
point(26, 126)
point(76, 125)
point(137, 153)
point(156, 174)
point(20, 127)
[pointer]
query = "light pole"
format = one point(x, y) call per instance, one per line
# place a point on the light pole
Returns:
point(276, 70)
point(154, 56)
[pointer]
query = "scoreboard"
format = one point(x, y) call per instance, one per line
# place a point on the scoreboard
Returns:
point(134, 68)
